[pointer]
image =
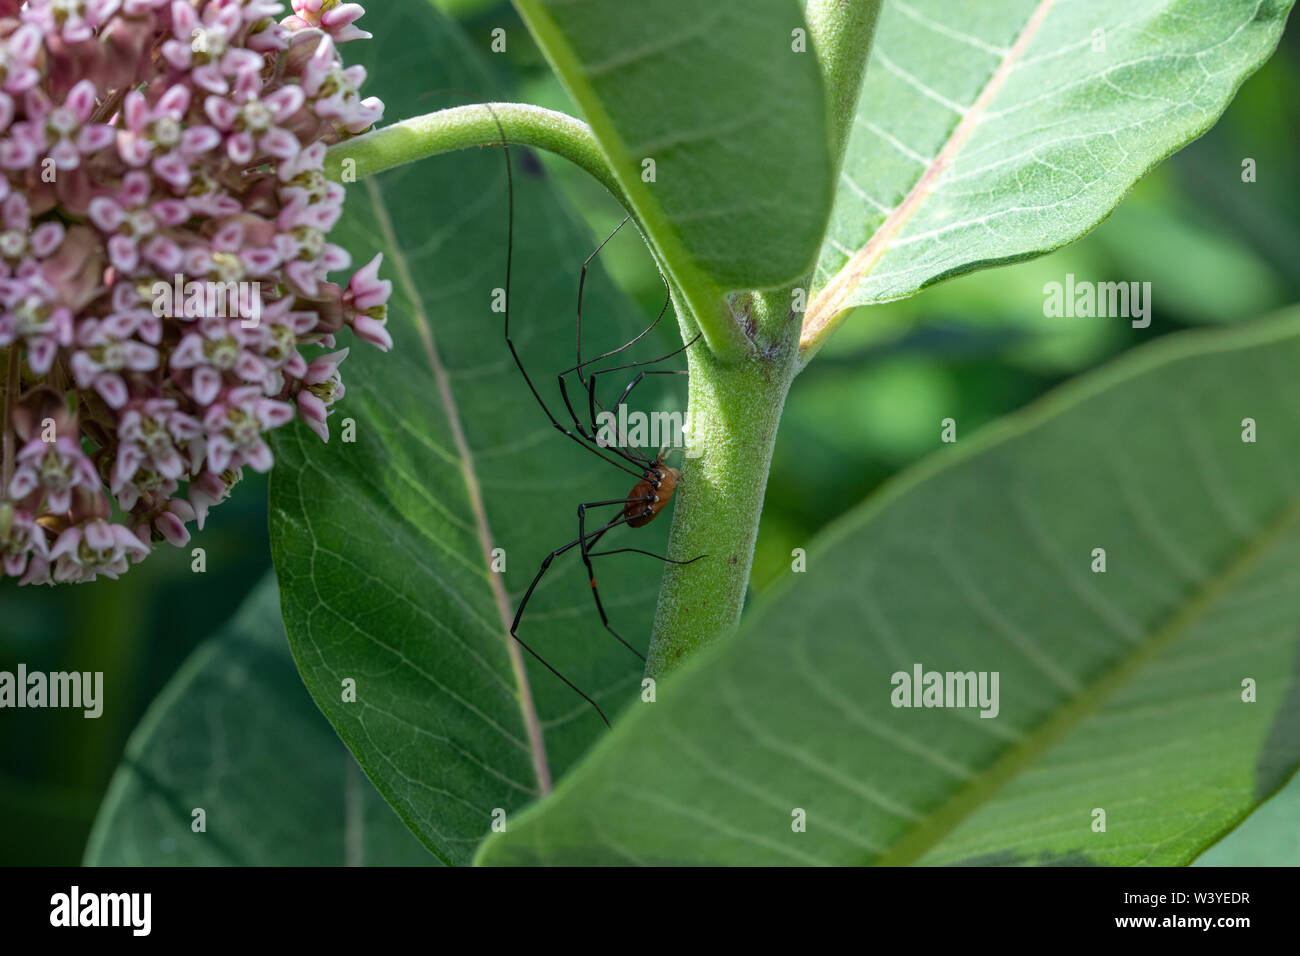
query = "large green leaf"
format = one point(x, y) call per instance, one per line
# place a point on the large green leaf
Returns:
point(383, 546)
point(236, 734)
point(1119, 690)
point(1268, 837)
point(990, 133)
point(733, 117)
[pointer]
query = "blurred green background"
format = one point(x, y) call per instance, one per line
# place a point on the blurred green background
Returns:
point(1215, 250)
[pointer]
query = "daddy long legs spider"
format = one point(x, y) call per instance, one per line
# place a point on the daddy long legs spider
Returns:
point(655, 481)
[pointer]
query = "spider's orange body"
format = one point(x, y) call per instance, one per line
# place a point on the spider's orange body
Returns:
point(658, 485)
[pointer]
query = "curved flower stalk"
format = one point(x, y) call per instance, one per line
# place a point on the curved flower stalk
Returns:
point(164, 260)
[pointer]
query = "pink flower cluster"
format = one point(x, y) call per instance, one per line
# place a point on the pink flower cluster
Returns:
point(164, 216)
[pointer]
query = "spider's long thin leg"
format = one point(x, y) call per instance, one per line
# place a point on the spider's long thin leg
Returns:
point(582, 282)
point(640, 375)
point(591, 571)
point(582, 278)
point(648, 554)
point(634, 457)
point(519, 613)
point(655, 361)
point(584, 441)
point(617, 447)
point(593, 402)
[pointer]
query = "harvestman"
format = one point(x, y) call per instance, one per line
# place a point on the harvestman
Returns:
point(656, 481)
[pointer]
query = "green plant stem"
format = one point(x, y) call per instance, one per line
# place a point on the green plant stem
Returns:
point(522, 124)
point(474, 125)
point(842, 34)
point(736, 405)
point(735, 409)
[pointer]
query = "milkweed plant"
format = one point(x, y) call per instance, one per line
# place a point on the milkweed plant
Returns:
point(176, 286)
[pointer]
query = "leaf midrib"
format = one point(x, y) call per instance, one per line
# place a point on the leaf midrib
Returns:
point(528, 709)
point(721, 332)
point(828, 304)
point(975, 794)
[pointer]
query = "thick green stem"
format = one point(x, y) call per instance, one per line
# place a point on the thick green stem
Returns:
point(475, 125)
point(735, 407)
point(734, 412)
point(842, 32)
